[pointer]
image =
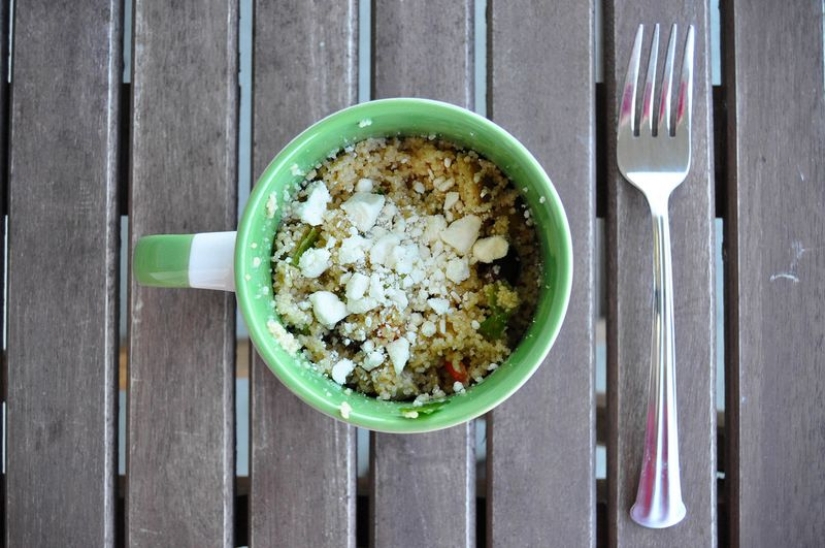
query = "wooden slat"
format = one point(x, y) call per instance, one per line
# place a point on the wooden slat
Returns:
point(302, 463)
point(542, 441)
point(63, 258)
point(630, 283)
point(775, 240)
point(424, 50)
point(181, 453)
point(423, 486)
point(5, 15)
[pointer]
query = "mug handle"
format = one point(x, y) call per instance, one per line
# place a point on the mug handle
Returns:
point(203, 261)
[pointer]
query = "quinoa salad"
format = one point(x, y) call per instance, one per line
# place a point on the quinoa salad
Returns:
point(404, 268)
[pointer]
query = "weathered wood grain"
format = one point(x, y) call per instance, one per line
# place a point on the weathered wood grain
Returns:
point(542, 441)
point(423, 486)
point(774, 242)
point(63, 256)
point(302, 463)
point(181, 435)
point(424, 49)
point(5, 16)
point(630, 284)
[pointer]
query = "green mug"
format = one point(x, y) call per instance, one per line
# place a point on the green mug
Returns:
point(240, 261)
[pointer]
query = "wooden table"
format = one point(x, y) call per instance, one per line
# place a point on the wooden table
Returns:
point(80, 148)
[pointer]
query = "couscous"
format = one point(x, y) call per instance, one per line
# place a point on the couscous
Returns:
point(405, 268)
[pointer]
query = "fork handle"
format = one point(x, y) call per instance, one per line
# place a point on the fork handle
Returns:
point(659, 497)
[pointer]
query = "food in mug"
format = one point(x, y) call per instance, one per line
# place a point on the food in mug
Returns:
point(404, 268)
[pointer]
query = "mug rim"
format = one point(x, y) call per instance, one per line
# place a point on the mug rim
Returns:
point(358, 122)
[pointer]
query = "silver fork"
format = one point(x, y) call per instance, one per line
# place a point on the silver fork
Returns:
point(654, 156)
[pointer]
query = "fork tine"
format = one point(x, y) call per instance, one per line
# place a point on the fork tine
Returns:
point(627, 112)
point(685, 104)
point(646, 121)
point(665, 127)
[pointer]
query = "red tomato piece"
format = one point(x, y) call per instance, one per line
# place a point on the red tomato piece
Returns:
point(458, 371)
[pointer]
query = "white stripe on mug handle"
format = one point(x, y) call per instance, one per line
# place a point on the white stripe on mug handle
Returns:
point(203, 261)
point(212, 261)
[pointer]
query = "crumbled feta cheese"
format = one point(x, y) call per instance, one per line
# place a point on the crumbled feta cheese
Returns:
point(361, 306)
point(327, 307)
point(363, 209)
point(398, 297)
point(376, 290)
point(428, 329)
point(487, 250)
point(421, 399)
point(352, 249)
point(439, 306)
point(443, 184)
point(434, 225)
point(417, 275)
point(458, 388)
point(341, 370)
point(400, 225)
point(457, 270)
point(295, 170)
point(399, 352)
point(312, 210)
point(357, 286)
point(372, 360)
point(419, 187)
point(364, 185)
point(345, 410)
point(365, 122)
point(314, 262)
point(387, 213)
point(357, 301)
point(462, 234)
point(381, 252)
point(402, 258)
point(450, 200)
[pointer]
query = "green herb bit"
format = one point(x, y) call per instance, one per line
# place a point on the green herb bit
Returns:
point(413, 411)
point(302, 330)
point(493, 327)
point(306, 243)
